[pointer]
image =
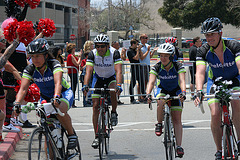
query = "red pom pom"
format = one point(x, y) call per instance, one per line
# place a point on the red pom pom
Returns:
point(10, 30)
point(26, 32)
point(20, 2)
point(33, 93)
point(43, 101)
point(47, 27)
point(33, 3)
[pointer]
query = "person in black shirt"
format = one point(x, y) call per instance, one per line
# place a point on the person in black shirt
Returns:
point(192, 57)
point(133, 55)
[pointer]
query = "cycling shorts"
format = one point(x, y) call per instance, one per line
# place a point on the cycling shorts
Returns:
point(66, 96)
point(175, 105)
point(100, 82)
point(210, 88)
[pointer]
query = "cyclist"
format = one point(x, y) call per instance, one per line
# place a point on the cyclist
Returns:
point(178, 53)
point(47, 74)
point(107, 64)
point(169, 73)
point(223, 58)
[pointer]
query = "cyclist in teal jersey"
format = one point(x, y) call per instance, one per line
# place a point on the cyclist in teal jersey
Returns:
point(47, 74)
point(223, 58)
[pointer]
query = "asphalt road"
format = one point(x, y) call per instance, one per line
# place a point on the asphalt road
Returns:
point(134, 137)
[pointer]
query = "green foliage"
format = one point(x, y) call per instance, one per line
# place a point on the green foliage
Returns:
point(189, 15)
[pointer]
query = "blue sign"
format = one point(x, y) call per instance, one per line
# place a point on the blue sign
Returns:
point(130, 28)
point(130, 36)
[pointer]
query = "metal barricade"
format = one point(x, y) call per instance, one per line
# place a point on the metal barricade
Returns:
point(67, 78)
point(140, 70)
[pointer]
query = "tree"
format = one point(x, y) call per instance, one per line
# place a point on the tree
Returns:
point(189, 15)
point(123, 14)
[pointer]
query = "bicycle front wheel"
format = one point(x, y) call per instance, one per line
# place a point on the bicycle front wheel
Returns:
point(168, 142)
point(38, 148)
point(100, 133)
point(107, 131)
point(227, 144)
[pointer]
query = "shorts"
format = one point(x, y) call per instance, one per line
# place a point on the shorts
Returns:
point(192, 74)
point(100, 82)
point(210, 89)
point(8, 80)
point(176, 105)
point(66, 96)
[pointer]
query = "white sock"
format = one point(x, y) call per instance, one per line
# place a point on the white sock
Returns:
point(24, 116)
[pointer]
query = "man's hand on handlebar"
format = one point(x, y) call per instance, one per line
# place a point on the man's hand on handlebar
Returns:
point(182, 96)
point(85, 89)
point(198, 97)
point(118, 89)
point(149, 98)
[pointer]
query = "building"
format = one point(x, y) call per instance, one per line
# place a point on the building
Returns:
point(69, 17)
point(164, 30)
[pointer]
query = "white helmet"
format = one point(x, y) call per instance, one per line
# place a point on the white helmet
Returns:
point(166, 48)
point(101, 38)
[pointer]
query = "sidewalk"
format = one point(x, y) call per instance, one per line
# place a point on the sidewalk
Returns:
point(10, 141)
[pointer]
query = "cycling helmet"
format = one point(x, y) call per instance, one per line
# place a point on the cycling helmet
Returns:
point(171, 40)
point(101, 38)
point(211, 25)
point(166, 48)
point(38, 46)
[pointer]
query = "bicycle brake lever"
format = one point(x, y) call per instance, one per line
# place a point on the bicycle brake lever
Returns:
point(201, 107)
point(59, 112)
point(150, 106)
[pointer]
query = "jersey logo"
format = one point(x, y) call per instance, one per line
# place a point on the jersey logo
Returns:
point(219, 65)
point(45, 79)
point(168, 77)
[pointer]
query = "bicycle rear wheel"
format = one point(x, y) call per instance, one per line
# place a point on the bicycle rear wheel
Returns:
point(227, 144)
point(100, 133)
point(168, 142)
point(38, 147)
point(107, 131)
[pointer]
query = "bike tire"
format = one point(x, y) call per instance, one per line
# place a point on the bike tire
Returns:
point(73, 154)
point(107, 131)
point(168, 142)
point(100, 134)
point(37, 146)
point(227, 146)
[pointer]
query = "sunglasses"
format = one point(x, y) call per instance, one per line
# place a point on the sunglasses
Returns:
point(100, 46)
point(144, 37)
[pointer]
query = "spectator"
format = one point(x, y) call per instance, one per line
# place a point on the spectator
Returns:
point(133, 54)
point(145, 56)
point(192, 57)
point(88, 46)
point(115, 44)
point(73, 61)
point(57, 53)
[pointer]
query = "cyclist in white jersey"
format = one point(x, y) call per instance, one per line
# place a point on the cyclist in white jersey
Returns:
point(107, 65)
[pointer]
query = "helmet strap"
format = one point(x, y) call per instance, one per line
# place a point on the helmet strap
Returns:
point(217, 44)
point(167, 64)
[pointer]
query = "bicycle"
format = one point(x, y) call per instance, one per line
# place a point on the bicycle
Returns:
point(43, 144)
point(104, 127)
point(229, 141)
point(169, 139)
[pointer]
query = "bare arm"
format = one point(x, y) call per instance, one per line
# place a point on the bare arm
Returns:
point(144, 55)
point(118, 70)
point(8, 52)
point(10, 68)
point(150, 85)
point(123, 54)
point(88, 75)
point(182, 81)
point(200, 76)
point(40, 35)
point(23, 90)
point(238, 66)
point(58, 85)
point(136, 57)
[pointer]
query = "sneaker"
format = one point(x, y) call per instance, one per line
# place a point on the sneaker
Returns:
point(16, 122)
point(120, 102)
point(218, 155)
point(95, 143)
point(180, 151)
point(114, 118)
point(10, 128)
point(72, 141)
point(135, 102)
point(158, 129)
point(27, 124)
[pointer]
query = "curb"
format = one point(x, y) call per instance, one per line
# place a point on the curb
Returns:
point(7, 148)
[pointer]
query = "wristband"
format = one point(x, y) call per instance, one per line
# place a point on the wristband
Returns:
point(56, 96)
point(184, 91)
point(16, 103)
point(119, 84)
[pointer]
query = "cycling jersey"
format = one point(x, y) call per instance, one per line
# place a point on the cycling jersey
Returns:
point(45, 82)
point(228, 70)
point(168, 79)
point(104, 66)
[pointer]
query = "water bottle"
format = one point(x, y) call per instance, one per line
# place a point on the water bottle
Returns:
point(56, 134)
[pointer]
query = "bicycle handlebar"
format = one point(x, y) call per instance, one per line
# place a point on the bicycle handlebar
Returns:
point(48, 107)
point(102, 89)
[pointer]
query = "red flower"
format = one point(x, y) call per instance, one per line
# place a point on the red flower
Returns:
point(20, 2)
point(33, 3)
point(33, 94)
point(10, 30)
point(26, 32)
point(47, 27)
